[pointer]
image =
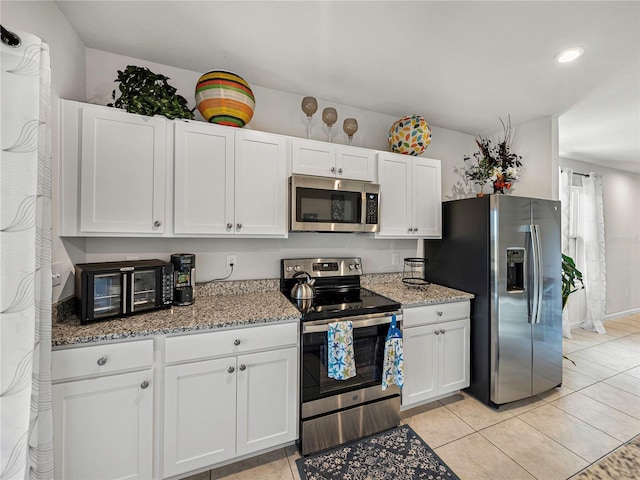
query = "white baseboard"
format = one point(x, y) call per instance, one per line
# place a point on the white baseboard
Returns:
point(612, 316)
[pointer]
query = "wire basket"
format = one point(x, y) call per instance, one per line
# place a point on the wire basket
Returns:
point(413, 274)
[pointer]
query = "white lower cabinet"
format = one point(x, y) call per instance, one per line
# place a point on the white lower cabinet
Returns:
point(219, 409)
point(103, 426)
point(436, 351)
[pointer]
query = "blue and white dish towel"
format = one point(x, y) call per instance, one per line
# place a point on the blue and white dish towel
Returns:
point(393, 367)
point(341, 361)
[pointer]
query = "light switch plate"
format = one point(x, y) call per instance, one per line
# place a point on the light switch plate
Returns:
point(56, 274)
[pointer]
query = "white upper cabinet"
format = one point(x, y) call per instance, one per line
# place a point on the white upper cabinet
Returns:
point(260, 184)
point(410, 196)
point(312, 157)
point(203, 178)
point(229, 181)
point(121, 163)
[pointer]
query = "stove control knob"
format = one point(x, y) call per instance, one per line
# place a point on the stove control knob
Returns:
point(297, 268)
point(289, 268)
point(358, 266)
point(351, 266)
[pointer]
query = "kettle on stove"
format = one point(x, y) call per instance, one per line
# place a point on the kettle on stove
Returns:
point(303, 290)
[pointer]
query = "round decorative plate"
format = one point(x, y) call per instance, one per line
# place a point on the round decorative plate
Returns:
point(410, 135)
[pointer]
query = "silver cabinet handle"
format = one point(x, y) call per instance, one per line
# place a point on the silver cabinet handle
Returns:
point(102, 361)
point(415, 229)
point(340, 171)
point(231, 370)
point(229, 225)
point(239, 226)
point(437, 332)
point(243, 367)
point(410, 229)
point(144, 384)
point(442, 331)
point(439, 314)
point(157, 223)
point(333, 169)
point(236, 342)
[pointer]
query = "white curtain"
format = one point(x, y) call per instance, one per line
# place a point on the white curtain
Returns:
point(595, 268)
point(566, 178)
point(25, 254)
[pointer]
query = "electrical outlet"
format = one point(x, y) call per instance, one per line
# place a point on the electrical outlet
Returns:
point(232, 260)
point(394, 259)
point(56, 274)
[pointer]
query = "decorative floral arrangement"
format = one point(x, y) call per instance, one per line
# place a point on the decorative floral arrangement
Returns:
point(494, 162)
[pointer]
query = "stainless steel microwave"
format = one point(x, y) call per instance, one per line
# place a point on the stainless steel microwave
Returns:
point(324, 204)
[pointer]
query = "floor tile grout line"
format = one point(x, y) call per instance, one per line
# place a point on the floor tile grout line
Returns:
point(580, 420)
point(617, 409)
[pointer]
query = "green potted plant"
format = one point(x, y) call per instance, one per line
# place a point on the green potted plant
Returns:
point(571, 278)
point(147, 93)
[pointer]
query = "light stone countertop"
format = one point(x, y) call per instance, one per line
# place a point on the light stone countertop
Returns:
point(232, 304)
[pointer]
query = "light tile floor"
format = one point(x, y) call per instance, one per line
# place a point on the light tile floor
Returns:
point(554, 435)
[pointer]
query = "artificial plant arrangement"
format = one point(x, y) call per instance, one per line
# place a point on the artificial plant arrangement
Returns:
point(494, 162)
point(571, 278)
point(148, 93)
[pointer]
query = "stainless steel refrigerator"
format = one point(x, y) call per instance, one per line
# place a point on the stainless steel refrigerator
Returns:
point(506, 251)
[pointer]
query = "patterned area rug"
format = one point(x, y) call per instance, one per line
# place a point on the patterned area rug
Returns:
point(395, 454)
point(622, 464)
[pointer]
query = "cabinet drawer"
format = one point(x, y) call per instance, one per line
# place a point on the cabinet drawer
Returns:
point(441, 312)
point(101, 359)
point(226, 342)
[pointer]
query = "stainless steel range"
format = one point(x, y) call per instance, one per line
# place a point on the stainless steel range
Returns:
point(334, 412)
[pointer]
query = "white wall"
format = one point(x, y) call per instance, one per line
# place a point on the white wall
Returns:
point(67, 53)
point(621, 201)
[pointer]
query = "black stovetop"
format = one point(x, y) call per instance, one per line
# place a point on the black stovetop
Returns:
point(338, 304)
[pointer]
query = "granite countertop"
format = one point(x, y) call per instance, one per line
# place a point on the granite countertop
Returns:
point(233, 304)
point(391, 286)
point(212, 309)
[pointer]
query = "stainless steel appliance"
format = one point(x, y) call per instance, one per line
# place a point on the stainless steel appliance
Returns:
point(184, 277)
point(115, 289)
point(506, 251)
point(323, 204)
point(333, 412)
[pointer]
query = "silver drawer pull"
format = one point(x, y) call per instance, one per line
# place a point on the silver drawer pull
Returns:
point(239, 226)
point(229, 225)
point(442, 331)
point(437, 332)
point(157, 223)
point(102, 361)
point(231, 370)
point(243, 367)
point(439, 314)
point(236, 342)
point(144, 384)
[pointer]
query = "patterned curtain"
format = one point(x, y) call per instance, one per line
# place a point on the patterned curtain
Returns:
point(25, 254)
point(595, 268)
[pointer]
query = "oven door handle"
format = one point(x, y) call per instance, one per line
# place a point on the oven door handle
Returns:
point(359, 321)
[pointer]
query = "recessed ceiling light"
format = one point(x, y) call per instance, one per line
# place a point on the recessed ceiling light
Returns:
point(569, 55)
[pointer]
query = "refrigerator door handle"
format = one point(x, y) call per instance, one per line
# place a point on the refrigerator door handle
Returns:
point(534, 267)
point(539, 274)
point(123, 295)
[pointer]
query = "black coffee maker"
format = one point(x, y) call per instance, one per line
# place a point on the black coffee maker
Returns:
point(184, 276)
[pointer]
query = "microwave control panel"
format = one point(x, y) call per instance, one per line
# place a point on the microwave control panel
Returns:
point(372, 208)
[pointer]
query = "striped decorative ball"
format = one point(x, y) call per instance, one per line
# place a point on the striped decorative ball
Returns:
point(225, 98)
point(410, 135)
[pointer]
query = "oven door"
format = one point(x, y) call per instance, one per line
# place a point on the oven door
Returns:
point(369, 336)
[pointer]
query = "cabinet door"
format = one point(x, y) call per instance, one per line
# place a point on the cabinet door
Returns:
point(420, 364)
point(355, 163)
point(311, 157)
point(426, 200)
point(260, 184)
point(123, 170)
point(199, 415)
point(394, 176)
point(267, 399)
point(203, 179)
point(103, 427)
point(453, 356)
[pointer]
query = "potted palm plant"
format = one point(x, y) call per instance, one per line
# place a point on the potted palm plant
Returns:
point(571, 278)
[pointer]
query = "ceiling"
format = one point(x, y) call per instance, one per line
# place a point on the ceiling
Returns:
point(462, 65)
